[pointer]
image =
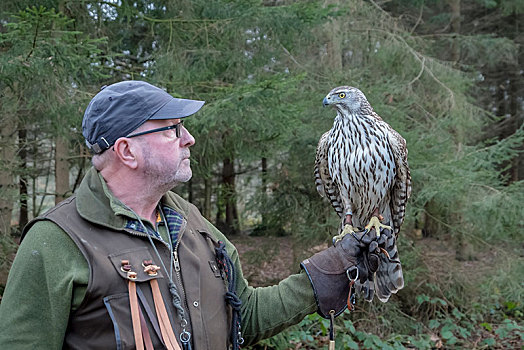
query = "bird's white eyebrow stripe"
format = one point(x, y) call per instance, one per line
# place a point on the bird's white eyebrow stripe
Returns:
point(344, 89)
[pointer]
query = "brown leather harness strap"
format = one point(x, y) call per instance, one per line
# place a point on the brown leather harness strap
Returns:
point(135, 316)
point(145, 332)
point(163, 319)
point(350, 304)
point(149, 312)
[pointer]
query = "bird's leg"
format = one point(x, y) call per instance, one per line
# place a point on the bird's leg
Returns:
point(348, 228)
point(376, 223)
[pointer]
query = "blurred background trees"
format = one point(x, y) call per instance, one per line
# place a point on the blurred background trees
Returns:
point(446, 75)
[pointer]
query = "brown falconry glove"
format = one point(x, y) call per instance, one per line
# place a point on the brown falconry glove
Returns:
point(332, 270)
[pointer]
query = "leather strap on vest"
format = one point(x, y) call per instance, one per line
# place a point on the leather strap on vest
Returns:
point(149, 312)
point(163, 319)
point(145, 332)
point(135, 317)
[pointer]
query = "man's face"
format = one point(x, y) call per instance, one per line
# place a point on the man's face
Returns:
point(165, 157)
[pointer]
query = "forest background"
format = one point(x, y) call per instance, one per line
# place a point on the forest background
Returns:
point(447, 75)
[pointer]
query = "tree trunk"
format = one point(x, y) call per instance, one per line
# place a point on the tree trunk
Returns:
point(190, 195)
point(515, 94)
point(517, 164)
point(8, 186)
point(62, 188)
point(23, 217)
point(334, 40)
point(264, 188)
point(84, 157)
point(207, 197)
point(509, 99)
point(228, 179)
point(455, 28)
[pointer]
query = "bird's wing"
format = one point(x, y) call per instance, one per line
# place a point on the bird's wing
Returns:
point(323, 181)
point(401, 190)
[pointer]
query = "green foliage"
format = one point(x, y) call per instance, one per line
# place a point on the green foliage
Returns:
point(510, 7)
point(44, 67)
point(263, 68)
point(45, 63)
point(257, 67)
point(454, 330)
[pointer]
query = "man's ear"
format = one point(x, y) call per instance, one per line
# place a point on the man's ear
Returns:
point(126, 152)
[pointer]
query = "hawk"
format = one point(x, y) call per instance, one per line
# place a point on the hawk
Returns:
point(362, 168)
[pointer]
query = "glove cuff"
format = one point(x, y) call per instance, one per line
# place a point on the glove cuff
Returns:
point(327, 274)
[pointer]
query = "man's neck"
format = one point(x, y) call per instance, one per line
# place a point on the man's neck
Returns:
point(145, 208)
point(142, 199)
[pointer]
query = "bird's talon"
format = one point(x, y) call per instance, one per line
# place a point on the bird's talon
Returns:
point(375, 223)
point(348, 229)
point(338, 238)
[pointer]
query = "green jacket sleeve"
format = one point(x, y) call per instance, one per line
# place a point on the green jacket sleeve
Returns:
point(267, 311)
point(48, 279)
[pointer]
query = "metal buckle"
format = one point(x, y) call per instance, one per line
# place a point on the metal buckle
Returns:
point(350, 270)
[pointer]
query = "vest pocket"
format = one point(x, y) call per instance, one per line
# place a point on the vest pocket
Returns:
point(118, 309)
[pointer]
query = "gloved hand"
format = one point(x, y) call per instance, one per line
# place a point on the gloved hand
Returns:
point(371, 248)
point(369, 261)
point(331, 271)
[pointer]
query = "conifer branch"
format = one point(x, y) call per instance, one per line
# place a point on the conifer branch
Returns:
point(418, 19)
point(299, 64)
point(182, 20)
point(419, 57)
point(422, 67)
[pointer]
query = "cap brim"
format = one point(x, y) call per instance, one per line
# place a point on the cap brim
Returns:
point(178, 108)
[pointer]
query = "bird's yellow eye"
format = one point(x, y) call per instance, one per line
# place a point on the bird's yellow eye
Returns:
point(342, 95)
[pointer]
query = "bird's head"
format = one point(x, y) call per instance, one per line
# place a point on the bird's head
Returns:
point(345, 98)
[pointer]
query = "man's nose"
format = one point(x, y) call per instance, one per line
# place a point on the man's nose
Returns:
point(186, 139)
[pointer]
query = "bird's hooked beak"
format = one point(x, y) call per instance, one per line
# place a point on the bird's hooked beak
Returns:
point(326, 101)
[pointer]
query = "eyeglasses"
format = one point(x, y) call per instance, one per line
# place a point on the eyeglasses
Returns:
point(177, 127)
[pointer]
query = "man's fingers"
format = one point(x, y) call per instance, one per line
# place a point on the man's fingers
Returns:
point(362, 273)
point(373, 261)
point(366, 239)
point(373, 247)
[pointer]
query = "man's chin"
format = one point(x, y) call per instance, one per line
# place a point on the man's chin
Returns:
point(184, 177)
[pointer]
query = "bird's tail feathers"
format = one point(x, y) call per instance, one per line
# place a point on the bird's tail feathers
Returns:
point(389, 278)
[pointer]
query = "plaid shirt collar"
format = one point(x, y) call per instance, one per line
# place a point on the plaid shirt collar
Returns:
point(173, 220)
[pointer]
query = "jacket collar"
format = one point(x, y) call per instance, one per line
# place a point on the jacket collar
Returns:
point(96, 203)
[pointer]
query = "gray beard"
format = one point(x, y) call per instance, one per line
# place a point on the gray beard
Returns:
point(161, 179)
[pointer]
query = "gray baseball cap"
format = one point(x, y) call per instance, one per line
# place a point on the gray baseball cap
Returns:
point(120, 108)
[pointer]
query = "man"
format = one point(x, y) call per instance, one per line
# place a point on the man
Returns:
point(126, 263)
